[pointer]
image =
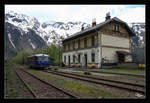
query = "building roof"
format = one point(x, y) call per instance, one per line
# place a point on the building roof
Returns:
point(99, 26)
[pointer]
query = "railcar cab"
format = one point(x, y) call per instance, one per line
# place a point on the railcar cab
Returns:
point(38, 61)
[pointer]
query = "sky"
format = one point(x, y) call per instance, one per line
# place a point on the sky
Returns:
point(84, 13)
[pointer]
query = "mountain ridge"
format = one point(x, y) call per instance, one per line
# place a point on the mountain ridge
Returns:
point(49, 32)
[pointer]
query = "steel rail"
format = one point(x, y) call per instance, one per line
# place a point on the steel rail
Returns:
point(96, 82)
point(137, 75)
point(95, 78)
point(28, 87)
point(67, 92)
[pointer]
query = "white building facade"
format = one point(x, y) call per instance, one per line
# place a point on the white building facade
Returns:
point(108, 42)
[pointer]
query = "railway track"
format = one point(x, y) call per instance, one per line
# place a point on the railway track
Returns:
point(27, 86)
point(112, 83)
point(127, 74)
point(40, 88)
point(98, 78)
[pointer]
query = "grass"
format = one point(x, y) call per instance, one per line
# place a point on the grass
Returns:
point(74, 86)
point(9, 73)
point(125, 70)
point(12, 93)
point(13, 87)
point(116, 70)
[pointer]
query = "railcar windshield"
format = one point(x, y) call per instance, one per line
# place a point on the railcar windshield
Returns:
point(43, 58)
point(33, 58)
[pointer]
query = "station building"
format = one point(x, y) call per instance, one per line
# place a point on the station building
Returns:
point(108, 42)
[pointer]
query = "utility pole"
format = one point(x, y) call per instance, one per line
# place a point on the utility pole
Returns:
point(59, 53)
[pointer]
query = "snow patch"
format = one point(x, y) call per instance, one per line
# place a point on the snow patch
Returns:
point(9, 36)
point(32, 45)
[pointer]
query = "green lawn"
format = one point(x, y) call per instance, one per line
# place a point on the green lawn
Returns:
point(125, 70)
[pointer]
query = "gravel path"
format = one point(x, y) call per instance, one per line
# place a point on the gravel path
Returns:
point(42, 90)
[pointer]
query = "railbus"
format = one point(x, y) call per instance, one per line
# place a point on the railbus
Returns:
point(38, 61)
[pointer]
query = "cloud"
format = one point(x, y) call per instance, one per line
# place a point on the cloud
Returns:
point(133, 15)
point(85, 13)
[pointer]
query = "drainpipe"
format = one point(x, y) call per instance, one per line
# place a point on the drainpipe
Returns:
point(100, 50)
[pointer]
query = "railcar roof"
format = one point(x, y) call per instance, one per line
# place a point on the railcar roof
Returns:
point(39, 55)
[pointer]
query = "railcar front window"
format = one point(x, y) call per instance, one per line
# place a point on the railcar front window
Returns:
point(43, 59)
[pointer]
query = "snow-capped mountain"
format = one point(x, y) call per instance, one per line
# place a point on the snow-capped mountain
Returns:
point(139, 29)
point(55, 31)
point(26, 32)
point(138, 42)
point(21, 33)
point(50, 31)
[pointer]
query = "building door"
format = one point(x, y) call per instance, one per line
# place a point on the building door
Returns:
point(121, 58)
point(85, 58)
point(69, 59)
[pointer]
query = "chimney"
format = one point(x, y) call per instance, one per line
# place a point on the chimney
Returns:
point(107, 16)
point(93, 22)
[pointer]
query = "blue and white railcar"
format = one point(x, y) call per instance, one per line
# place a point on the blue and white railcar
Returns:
point(38, 61)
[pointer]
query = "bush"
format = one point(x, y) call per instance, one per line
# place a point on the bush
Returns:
point(21, 58)
point(54, 52)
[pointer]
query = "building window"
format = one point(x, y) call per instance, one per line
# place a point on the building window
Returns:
point(73, 45)
point(64, 59)
point(68, 46)
point(93, 41)
point(85, 42)
point(79, 44)
point(96, 38)
point(93, 57)
point(64, 47)
point(116, 27)
point(73, 58)
point(79, 58)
